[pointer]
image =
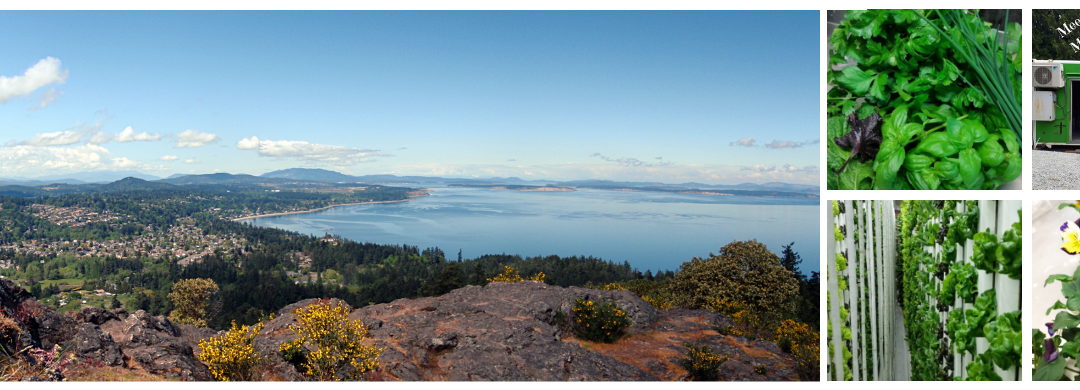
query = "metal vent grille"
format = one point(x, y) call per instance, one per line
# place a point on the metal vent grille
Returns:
point(1042, 75)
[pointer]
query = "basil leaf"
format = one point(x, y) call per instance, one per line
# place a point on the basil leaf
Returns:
point(917, 162)
point(971, 168)
point(888, 162)
point(937, 144)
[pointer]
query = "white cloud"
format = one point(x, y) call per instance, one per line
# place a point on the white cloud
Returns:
point(629, 161)
point(100, 138)
point(58, 138)
point(748, 142)
point(778, 144)
point(169, 158)
point(47, 98)
point(24, 159)
point(312, 153)
point(45, 72)
point(191, 161)
point(248, 143)
point(194, 139)
point(125, 163)
point(129, 135)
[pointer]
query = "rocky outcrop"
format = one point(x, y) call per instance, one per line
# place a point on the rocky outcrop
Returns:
point(508, 332)
point(112, 338)
point(499, 332)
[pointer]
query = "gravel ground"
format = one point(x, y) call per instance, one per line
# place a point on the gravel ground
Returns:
point(1055, 170)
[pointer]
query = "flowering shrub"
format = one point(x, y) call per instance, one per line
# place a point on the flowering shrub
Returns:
point(232, 357)
point(191, 297)
point(510, 275)
point(329, 344)
point(802, 343)
point(603, 322)
point(701, 363)
point(746, 323)
point(761, 369)
point(652, 292)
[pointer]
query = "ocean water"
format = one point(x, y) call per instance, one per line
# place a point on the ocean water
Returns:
point(651, 230)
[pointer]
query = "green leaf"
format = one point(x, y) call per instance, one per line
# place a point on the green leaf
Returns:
point(925, 179)
point(877, 91)
point(1073, 303)
point(1052, 371)
point(1065, 319)
point(888, 162)
point(857, 176)
point(1057, 305)
point(936, 144)
point(990, 152)
point(971, 168)
point(1059, 277)
point(855, 80)
point(891, 129)
point(961, 135)
point(917, 162)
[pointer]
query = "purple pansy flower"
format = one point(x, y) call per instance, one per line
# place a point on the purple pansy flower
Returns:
point(1050, 353)
point(1064, 226)
point(1050, 328)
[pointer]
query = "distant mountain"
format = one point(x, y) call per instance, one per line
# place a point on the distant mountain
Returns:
point(176, 175)
point(221, 178)
point(132, 183)
point(97, 176)
point(307, 174)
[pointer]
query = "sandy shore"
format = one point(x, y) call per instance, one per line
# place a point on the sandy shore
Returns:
point(313, 210)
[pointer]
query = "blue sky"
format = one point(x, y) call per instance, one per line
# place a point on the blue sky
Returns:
point(718, 97)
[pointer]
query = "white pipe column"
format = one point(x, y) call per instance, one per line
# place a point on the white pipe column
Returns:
point(853, 285)
point(837, 365)
point(1008, 289)
point(987, 220)
point(958, 357)
point(864, 281)
point(873, 239)
point(890, 287)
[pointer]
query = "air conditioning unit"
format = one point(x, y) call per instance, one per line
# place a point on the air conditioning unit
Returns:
point(1047, 76)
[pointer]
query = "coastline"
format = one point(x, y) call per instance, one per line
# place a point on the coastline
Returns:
point(314, 210)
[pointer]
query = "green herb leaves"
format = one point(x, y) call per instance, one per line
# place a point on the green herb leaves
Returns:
point(940, 131)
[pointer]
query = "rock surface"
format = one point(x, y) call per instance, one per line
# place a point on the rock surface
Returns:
point(507, 332)
point(499, 332)
point(112, 338)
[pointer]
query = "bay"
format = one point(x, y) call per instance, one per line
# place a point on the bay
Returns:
point(650, 230)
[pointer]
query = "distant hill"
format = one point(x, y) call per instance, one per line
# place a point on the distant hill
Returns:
point(221, 178)
point(308, 174)
point(131, 183)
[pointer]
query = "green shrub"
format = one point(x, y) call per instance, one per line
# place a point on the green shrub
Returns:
point(761, 369)
point(191, 297)
point(701, 363)
point(745, 272)
point(603, 322)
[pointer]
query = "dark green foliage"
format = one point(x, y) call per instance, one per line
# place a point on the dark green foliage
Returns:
point(449, 279)
point(1047, 43)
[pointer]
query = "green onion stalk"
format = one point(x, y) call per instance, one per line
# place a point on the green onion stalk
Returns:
point(992, 76)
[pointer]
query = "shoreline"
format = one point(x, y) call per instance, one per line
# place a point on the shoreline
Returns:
point(314, 210)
